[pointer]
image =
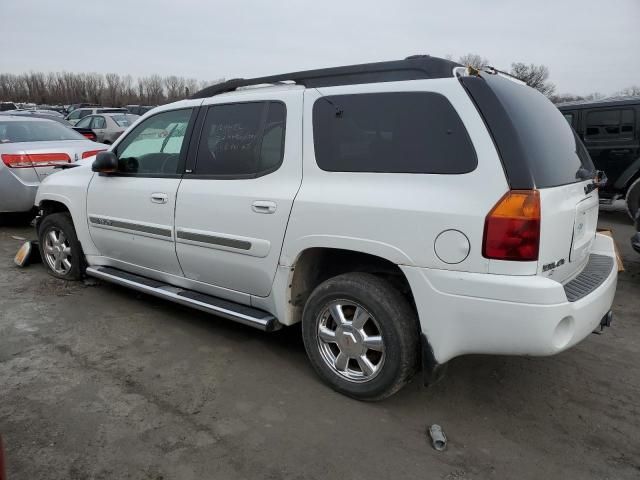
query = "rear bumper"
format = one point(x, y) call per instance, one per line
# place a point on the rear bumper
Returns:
point(464, 313)
point(16, 195)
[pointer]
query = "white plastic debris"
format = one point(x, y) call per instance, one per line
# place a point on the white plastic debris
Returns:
point(438, 438)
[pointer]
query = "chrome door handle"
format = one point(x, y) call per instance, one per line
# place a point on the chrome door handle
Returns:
point(159, 197)
point(264, 206)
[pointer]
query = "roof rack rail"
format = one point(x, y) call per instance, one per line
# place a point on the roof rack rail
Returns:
point(414, 67)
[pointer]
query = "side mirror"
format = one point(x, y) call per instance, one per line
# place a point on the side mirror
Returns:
point(105, 162)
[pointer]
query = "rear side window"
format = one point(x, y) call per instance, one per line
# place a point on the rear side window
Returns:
point(605, 124)
point(400, 132)
point(242, 139)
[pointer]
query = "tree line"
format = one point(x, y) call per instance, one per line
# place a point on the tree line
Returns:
point(537, 76)
point(63, 88)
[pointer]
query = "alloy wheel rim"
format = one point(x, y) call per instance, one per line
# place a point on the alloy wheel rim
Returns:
point(350, 341)
point(57, 251)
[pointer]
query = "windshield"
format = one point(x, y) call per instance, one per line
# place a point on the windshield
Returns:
point(554, 154)
point(35, 131)
point(125, 120)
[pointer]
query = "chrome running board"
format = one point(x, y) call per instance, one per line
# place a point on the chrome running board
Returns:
point(223, 308)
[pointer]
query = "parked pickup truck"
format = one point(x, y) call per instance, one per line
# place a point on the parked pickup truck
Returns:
point(406, 212)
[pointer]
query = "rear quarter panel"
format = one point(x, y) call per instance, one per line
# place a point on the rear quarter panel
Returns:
point(396, 216)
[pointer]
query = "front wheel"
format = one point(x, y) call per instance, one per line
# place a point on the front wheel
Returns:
point(361, 336)
point(59, 247)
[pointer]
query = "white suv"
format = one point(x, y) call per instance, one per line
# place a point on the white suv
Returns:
point(405, 212)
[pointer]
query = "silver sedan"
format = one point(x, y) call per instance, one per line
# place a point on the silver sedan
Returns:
point(108, 126)
point(31, 149)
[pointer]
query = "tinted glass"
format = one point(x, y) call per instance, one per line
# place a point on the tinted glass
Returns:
point(605, 124)
point(36, 131)
point(230, 142)
point(85, 122)
point(272, 147)
point(554, 155)
point(569, 118)
point(402, 132)
point(154, 146)
point(74, 115)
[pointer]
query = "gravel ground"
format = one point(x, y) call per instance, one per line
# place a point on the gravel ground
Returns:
point(97, 382)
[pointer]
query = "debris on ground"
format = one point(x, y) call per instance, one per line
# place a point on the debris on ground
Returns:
point(438, 438)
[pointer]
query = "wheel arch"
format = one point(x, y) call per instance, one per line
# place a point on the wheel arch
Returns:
point(314, 265)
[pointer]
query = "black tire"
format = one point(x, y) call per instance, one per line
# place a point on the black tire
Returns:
point(395, 319)
point(633, 199)
point(62, 222)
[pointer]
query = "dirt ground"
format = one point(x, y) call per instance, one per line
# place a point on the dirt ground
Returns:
point(98, 382)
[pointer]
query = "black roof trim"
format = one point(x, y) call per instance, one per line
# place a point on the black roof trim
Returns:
point(411, 68)
point(604, 102)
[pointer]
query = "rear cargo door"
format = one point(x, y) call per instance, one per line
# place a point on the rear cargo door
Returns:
point(568, 225)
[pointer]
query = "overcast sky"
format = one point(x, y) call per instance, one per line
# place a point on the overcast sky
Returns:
point(588, 45)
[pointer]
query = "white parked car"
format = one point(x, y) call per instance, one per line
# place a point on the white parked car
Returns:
point(405, 212)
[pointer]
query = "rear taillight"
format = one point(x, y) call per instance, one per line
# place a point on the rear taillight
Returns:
point(512, 227)
point(91, 153)
point(26, 160)
point(90, 135)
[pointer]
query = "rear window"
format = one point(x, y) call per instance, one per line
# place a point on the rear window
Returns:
point(399, 132)
point(36, 131)
point(554, 154)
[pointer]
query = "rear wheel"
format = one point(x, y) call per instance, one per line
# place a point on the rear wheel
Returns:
point(633, 199)
point(59, 247)
point(361, 336)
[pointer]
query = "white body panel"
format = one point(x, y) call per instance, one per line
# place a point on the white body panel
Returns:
point(126, 225)
point(241, 222)
point(463, 313)
point(396, 216)
point(465, 302)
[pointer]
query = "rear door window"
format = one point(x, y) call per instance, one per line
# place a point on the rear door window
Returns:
point(98, 122)
point(398, 132)
point(241, 140)
point(84, 123)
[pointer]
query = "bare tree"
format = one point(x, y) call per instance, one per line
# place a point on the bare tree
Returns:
point(536, 76)
point(633, 90)
point(473, 60)
point(113, 93)
point(111, 88)
point(153, 89)
point(175, 87)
